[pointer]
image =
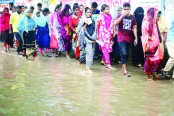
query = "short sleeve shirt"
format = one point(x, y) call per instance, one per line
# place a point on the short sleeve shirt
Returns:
point(14, 20)
point(125, 28)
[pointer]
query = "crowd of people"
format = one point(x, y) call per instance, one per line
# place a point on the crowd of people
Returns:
point(91, 33)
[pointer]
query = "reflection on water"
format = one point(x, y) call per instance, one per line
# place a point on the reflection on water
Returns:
point(60, 87)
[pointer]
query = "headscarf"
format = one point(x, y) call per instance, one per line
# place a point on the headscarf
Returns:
point(115, 13)
point(26, 24)
point(89, 32)
point(4, 20)
point(150, 33)
point(139, 15)
point(41, 20)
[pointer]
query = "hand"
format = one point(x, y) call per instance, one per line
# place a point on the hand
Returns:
point(34, 29)
point(135, 42)
point(10, 32)
point(86, 21)
point(125, 13)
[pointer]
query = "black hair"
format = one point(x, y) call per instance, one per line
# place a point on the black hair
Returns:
point(81, 5)
point(31, 7)
point(94, 5)
point(57, 7)
point(25, 7)
point(75, 6)
point(39, 4)
point(87, 8)
point(67, 6)
point(45, 10)
point(6, 8)
point(19, 7)
point(159, 13)
point(11, 3)
point(103, 7)
point(126, 5)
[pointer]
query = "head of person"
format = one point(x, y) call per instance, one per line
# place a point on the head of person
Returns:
point(118, 10)
point(39, 6)
point(58, 8)
point(159, 15)
point(19, 9)
point(94, 6)
point(28, 13)
point(139, 11)
point(88, 12)
point(45, 11)
point(105, 9)
point(38, 13)
point(31, 9)
point(152, 14)
point(66, 12)
point(81, 7)
point(11, 5)
point(127, 7)
point(6, 11)
point(75, 9)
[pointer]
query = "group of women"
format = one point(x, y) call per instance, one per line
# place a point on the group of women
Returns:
point(65, 31)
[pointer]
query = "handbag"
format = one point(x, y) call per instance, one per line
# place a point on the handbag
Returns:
point(53, 42)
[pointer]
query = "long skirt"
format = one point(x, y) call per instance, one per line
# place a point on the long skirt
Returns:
point(76, 45)
point(30, 43)
point(7, 38)
point(137, 53)
point(152, 66)
point(43, 38)
point(89, 54)
point(67, 38)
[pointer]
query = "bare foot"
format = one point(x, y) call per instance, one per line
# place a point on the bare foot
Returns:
point(67, 56)
point(88, 70)
point(103, 62)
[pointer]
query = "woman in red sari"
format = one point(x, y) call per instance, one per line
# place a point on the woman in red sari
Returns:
point(73, 22)
point(4, 29)
point(151, 40)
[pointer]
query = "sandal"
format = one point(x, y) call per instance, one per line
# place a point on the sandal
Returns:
point(127, 74)
point(150, 78)
point(165, 73)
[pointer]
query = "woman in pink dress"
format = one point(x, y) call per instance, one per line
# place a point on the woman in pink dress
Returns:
point(105, 34)
point(151, 40)
point(67, 33)
point(56, 28)
point(4, 29)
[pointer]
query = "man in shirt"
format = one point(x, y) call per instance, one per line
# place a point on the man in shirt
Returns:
point(95, 13)
point(39, 8)
point(14, 21)
point(170, 47)
point(11, 7)
point(31, 11)
point(126, 25)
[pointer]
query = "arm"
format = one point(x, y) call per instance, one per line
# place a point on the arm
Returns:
point(10, 26)
point(119, 18)
point(97, 24)
point(135, 34)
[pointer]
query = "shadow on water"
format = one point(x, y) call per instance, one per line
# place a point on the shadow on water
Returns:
point(60, 87)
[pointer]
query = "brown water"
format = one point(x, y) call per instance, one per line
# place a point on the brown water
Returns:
point(60, 87)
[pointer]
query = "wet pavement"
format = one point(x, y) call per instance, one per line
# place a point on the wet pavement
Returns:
point(60, 87)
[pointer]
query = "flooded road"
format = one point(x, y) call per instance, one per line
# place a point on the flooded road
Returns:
point(60, 87)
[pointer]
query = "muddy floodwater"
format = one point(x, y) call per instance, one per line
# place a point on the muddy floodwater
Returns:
point(61, 87)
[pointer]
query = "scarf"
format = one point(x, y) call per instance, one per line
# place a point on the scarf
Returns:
point(41, 20)
point(4, 21)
